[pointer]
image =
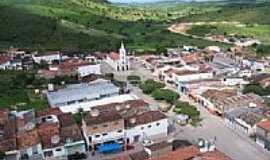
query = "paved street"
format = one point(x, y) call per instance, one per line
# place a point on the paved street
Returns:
point(238, 147)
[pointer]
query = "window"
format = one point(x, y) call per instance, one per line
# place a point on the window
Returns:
point(105, 125)
point(116, 123)
point(104, 134)
point(119, 131)
point(95, 127)
point(158, 124)
point(97, 136)
point(48, 153)
point(149, 126)
point(58, 149)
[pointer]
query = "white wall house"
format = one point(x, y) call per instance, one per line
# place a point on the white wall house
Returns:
point(49, 58)
point(4, 65)
point(5, 62)
point(32, 151)
point(140, 129)
point(192, 77)
point(58, 151)
point(86, 70)
point(108, 136)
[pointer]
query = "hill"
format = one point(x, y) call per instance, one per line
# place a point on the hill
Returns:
point(88, 25)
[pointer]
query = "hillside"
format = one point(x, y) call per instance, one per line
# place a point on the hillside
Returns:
point(87, 25)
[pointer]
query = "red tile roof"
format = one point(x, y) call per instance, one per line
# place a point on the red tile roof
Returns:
point(214, 155)
point(28, 139)
point(4, 59)
point(144, 118)
point(180, 154)
point(265, 124)
point(49, 111)
point(47, 131)
point(114, 56)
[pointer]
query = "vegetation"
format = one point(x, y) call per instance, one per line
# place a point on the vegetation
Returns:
point(243, 20)
point(87, 25)
point(17, 91)
point(187, 109)
point(165, 94)
point(257, 89)
point(150, 86)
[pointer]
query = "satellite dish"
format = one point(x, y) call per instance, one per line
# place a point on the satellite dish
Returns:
point(132, 120)
point(55, 139)
point(118, 107)
point(29, 126)
point(94, 112)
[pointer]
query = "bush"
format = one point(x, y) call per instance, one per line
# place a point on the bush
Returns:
point(187, 109)
point(165, 94)
point(257, 89)
point(149, 86)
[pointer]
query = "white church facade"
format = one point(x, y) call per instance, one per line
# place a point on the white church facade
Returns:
point(119, 61)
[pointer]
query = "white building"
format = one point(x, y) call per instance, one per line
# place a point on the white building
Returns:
point(46, 57)
point(81, 93)
point(119, 62)
point(86, 70)
point(4, 62)
point(146, 126)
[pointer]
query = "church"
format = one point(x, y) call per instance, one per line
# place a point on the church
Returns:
point(119, 61)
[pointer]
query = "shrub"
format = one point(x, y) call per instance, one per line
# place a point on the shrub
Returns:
point(149, 86)
point(187, 109)
point(165, 94)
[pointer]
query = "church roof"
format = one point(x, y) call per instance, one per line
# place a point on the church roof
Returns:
point(114, 56)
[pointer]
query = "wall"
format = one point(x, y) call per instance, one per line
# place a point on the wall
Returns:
point(89, 69)
point(47, 58)
point(57, 151)
point(111, 130)
point(192, 77)
point(144, 132)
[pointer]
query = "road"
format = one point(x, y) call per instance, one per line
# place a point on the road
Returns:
point(238, 147)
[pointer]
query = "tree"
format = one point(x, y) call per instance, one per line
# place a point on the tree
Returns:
point(149, 86)
point(187, 109)
point(165, 94)
point(257, 89)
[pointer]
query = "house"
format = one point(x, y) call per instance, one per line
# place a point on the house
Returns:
point(70, 67)
point(71, 134)
point(146, 126)
point(47, 57)
point(244, 120)
point(74, 96)
point(119, 62)
point(52, 143)
point(59, 134)
point(263, 134)
point(209, 97)
point(8, 143)
point(5, 62)
point(103, 129)
point(29, 144)
point(221, 101)
point(185, 153)
point(194, 87)
point(28, 140)
point(186, 74)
